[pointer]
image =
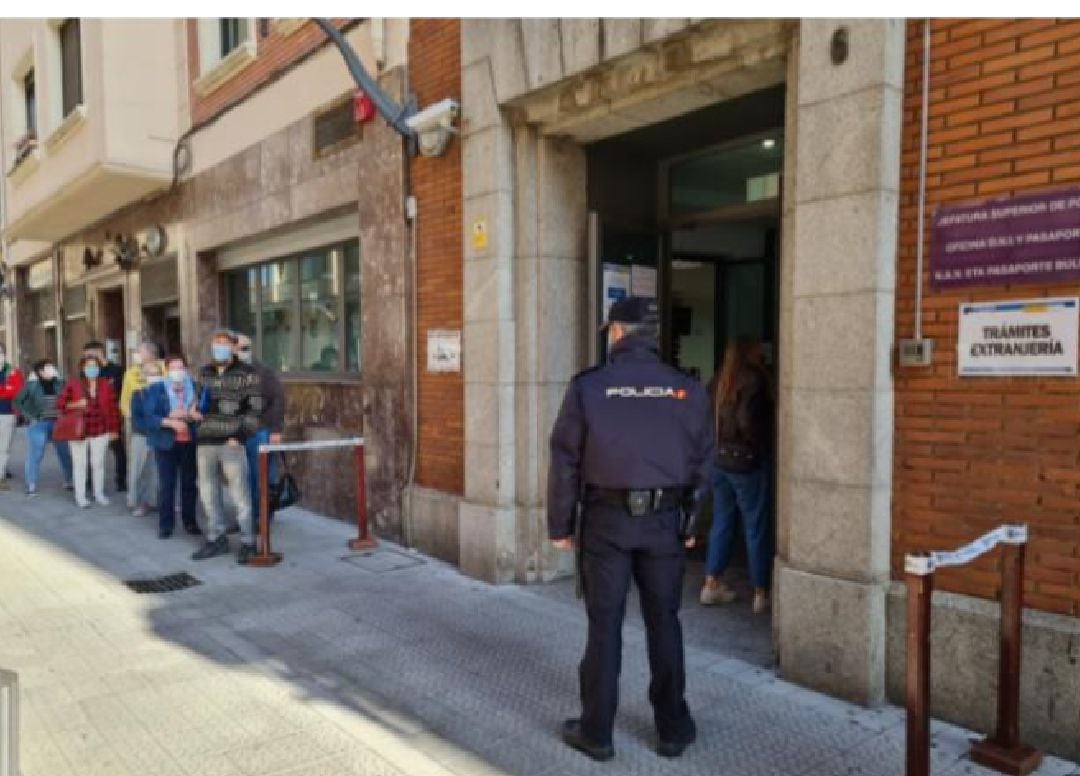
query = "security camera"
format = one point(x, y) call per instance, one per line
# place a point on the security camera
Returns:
point(434, 125)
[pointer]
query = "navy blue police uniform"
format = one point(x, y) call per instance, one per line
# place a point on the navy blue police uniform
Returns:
point(632, 445)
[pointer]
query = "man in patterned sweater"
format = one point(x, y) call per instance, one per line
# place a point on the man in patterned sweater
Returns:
point(230, 404)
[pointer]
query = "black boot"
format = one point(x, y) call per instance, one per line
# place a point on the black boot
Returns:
point(677, 747)
point(246, 552)
point(219, 546)
point(574, 738)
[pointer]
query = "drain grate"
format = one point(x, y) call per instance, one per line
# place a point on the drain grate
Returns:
point(384, 560)
point(169, 584)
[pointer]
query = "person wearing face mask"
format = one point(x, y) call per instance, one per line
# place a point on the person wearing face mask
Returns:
point(166, 412)
point(271, 422)
point(230, 406)
point(11, 382)
point(146, 368)
point(92, 395)
point(115, 376)
point(37, 403)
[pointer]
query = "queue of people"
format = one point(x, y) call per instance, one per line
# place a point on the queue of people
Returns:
point(170, 429)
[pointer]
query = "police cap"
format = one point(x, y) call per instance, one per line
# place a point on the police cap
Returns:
point(634, 309)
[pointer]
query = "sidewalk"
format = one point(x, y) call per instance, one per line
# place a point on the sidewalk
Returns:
point(334, 664)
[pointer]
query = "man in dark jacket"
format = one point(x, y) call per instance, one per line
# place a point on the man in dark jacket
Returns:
point(272, 421)
point(115, 375)
point(230, 405)
point(633, 445)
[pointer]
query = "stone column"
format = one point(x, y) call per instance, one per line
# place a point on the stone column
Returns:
point(487, 515)
point(385, 329)
point(836, 385)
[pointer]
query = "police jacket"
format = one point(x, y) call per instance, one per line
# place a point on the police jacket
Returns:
point(632, 423)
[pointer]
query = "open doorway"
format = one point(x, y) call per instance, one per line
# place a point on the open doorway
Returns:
point(111, 323)
point(688, 211)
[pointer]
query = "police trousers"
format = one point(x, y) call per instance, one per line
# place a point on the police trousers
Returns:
point(616, 547)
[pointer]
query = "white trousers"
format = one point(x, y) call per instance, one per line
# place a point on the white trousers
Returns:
point(7, 432)
point(95, 447)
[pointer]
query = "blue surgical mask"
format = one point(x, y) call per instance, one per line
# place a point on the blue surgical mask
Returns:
point(91, 371)
point(222, 353)
point(177, 375)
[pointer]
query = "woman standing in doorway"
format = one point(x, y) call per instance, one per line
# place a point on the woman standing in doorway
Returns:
point(37, 403)
point(95, 399)
point(743, 417)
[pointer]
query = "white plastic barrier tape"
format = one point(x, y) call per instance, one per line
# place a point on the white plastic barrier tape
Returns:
point(320, 445)
point(926, 564)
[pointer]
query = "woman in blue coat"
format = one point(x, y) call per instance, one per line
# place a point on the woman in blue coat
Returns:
point(166, 412)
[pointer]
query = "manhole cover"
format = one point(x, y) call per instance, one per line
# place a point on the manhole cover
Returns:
point(382, 561)
point(168, 584)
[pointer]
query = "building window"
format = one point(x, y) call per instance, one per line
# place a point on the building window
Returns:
point(225, 47)
point(229, 32)
point(302, 311)
point(70, 66)
point(30, 103)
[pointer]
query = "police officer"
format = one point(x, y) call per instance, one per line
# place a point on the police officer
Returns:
point(633, 446)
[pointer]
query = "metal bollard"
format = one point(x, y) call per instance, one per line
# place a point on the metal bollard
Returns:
point(1003, 751)
point(919, 574)
point(9, 723)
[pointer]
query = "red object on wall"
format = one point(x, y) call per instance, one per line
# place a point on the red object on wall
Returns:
point(363, 107)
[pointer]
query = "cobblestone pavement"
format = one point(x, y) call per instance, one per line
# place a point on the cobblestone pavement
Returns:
point(339, 665)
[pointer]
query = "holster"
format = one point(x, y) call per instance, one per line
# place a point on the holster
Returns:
point(688, 512)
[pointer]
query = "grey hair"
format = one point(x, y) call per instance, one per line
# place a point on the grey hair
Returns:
point(153, 347)
point(228, 334)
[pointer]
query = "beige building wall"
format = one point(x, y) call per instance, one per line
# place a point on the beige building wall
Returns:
point(111, 151)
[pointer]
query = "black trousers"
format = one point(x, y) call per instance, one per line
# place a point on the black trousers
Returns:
point(120, 458)
point(617, 547)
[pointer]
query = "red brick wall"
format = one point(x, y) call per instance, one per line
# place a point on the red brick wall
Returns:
point(435, 73)
point(275, 52)
point(973, 453)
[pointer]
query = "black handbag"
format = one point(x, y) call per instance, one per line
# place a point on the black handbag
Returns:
point(284, 493)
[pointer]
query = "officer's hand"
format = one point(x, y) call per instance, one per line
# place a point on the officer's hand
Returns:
point(563, 544)
point(690, 541)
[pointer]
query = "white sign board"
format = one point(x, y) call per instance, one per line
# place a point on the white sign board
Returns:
point(443, 350)
point(1027, 337)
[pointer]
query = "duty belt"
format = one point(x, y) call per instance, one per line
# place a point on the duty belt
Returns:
point(637, 502)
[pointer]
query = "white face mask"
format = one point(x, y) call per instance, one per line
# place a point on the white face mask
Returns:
point(49, 372)
point(136, 358)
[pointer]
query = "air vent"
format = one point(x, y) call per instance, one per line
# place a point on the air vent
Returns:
point(169, 584)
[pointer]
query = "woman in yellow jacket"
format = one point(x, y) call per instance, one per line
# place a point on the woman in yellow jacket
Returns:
point(146, 368)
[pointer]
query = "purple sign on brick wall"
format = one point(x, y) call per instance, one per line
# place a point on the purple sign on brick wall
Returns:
point(1034, 238)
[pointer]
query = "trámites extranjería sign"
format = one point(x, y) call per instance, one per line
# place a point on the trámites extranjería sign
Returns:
point(1028, 337)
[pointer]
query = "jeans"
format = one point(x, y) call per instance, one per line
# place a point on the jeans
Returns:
point(7, 432)
point(39, 434)
point(175, 464)
point(92, 448)
point(746, 495)
point(224, 467)
point(253, 442)
point(141, 474)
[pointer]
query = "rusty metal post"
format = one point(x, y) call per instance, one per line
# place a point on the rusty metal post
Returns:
point(919, 576)
point(265, 556)
point(1003, 751)
point(364, 540)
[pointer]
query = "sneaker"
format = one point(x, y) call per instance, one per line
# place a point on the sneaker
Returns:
point(219, 546)
point(31, 491)
point(139, 511)
point(247, 551)
point(719, 593)
point(84, 504)
point(761, 601)
point(102, 500)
